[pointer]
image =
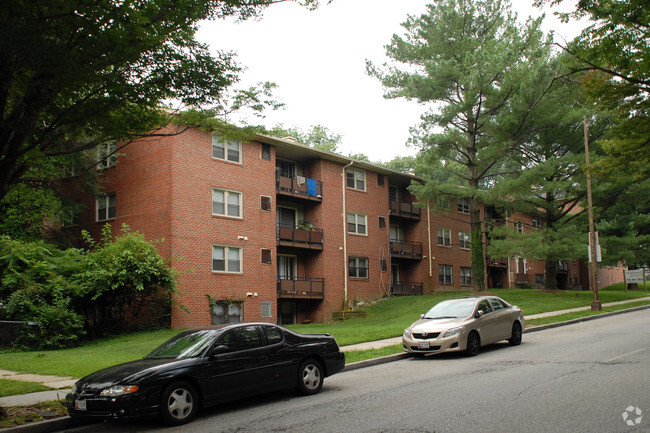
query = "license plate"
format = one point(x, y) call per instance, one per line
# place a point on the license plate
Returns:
point(80, 404)
point(423, 345)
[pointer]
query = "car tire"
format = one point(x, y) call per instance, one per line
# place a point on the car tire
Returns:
point(179, 403)
point(473, 344)
point(310, 377)
point(515, 339)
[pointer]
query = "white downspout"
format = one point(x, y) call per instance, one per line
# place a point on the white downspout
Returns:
point(345, 236)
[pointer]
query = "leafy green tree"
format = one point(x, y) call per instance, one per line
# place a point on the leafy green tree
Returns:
point(317, 136)
point(466, 59)
point(75, 74)
point(120, 276)
point(38, 285)
point(615, 50)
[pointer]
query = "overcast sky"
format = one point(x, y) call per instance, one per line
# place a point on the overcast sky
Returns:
point(318, 61)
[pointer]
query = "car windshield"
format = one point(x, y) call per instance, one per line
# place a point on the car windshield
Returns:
point(451, 309)
point(185, 345)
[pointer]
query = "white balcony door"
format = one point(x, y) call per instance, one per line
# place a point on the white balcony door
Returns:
point(286, 267)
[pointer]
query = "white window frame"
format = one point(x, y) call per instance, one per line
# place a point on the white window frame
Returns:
point(445, 234)
point(227, 259)
point(463, 206)
point(266, 308)
point(358, 179)
point(227, 149)
point(104, 203)
point(464, 241)
point(442, 272)
point(465, 276)
point(359, 260)
point(519, 226)
point(357, 223)
point(106, 155)
point(226, 203)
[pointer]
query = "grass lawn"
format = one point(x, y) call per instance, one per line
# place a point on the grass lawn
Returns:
point(15, 387)
point(386, 318)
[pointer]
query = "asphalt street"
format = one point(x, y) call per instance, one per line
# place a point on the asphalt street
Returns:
point(587, 377)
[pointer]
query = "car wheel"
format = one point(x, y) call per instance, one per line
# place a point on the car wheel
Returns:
point(515, 339)
point(473, 344)
point(310, 377)
point(178, 403)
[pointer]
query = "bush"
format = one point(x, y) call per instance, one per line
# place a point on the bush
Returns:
point(37, 286)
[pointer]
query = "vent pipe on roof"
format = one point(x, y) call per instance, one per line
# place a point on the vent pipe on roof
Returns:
point(345, 236)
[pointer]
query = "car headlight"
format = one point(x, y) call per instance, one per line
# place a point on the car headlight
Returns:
point(74, 389)
point(407, 333)
point(453, 331)
point(117, 390)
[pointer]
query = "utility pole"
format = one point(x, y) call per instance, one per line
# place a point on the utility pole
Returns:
point(593, 282)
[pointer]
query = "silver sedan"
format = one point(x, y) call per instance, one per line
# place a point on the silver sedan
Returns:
point(464, 324)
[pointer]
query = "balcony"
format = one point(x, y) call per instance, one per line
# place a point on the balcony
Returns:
point(291, 236)
point(496, 263)
point(562, 267)
point(301, 288)
point(404, 209)
point(406, 250)
point(406, 289)
point(300, 187)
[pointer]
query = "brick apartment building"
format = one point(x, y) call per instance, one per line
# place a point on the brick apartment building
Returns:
point(280, 232)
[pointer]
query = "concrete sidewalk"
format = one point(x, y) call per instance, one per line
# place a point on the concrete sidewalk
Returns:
point(62, 385)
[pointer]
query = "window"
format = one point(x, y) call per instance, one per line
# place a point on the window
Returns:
point(226, 259)
point(106, 207)
point(383, 265)
point(244, 338)
point(380, 179)
point(227, 312)
point(463, 205)
point(519, 226)
point(358, 267)
point(266, 151)
point(463, 240)
point(273, 334)
point(226, 203)
point(265, 203)
point(444, 237)
point(393, 193)
point(465, 276)
point(106, 155)
point(537, 222)
point(356, 179)
point(266, 256)
point(539, 278)
point(357, 223)
point(382, 222)
point(228, 150)
point(445, 274)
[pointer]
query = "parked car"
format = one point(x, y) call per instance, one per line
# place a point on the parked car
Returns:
point(464, 324)
point(203, 367)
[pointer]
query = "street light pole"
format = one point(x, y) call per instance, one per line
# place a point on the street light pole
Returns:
point(593, 282)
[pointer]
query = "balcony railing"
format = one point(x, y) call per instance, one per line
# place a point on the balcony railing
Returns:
point(404, 209)
point(406, 249)
point(293, 236)
point(301, 288)
point(301, 187)
point(521, 278)
point(496, 263)
point(406, 289)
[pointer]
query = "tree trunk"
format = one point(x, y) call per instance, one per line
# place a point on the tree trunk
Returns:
point(551, 275)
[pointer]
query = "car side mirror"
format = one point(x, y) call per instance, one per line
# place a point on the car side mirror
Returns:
point(421, 316)
point(479, 314)
point(222, 348)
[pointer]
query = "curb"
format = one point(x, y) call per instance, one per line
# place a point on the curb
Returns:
point(48, 426)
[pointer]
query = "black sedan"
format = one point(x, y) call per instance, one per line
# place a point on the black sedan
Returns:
point(203, 367)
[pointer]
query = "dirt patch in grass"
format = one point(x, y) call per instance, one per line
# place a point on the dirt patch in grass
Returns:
point(20, 415)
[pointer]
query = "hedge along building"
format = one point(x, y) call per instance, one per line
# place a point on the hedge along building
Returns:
point(276, 231)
